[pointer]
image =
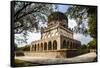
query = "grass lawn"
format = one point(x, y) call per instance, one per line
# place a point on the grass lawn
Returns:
point(21, 63)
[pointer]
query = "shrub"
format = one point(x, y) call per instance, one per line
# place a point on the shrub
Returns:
point(19, 53)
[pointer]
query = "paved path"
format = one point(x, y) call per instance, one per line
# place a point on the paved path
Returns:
point(44, 60)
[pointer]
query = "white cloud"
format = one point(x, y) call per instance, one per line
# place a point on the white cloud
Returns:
point(71, 23)
point(82, 38)
point(33, 37)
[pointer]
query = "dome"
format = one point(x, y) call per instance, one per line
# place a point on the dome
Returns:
point(57, 16)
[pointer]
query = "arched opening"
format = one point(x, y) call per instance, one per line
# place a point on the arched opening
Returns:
point(41, 46)
point(68, 44)
point(54, 45)
point(32, 47)
point(74, 46)
point(45, 46)
point(35, 47)
point(49, 45)
point(64, 44)
point(38, 47)
point(71, 45)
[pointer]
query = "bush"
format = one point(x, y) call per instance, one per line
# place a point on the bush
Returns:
point(19, 53)
point(25, 48)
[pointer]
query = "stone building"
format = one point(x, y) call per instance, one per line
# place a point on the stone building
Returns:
point(56, 39)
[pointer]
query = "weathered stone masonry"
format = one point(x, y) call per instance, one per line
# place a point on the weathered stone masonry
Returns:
point(57, 37)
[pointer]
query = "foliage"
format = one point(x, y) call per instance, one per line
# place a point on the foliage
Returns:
point(92, 26)
point(21, 63)
point(27, 16)
point(92, 44)
point(19, 53)
point(15, 47)
point(83, 46)
point(82, 14)
point(25, 48)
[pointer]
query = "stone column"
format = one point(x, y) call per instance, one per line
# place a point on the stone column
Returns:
point(34, 48)
point(47, 46)
point(43, 47)
point(30, 48)
point(38, 47)
point(72, 44)
point(69, 45)
point(58, 43)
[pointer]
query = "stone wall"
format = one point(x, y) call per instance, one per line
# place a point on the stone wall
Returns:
point(57, 53)
point(50, 54)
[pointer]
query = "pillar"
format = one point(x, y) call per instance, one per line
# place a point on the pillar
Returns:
point(58, 43)
point(30, 48)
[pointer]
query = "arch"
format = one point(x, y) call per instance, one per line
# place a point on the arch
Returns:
point(45, 46)
point(35, 47)
point(38, 47)
point(54, 45)
point(64, 44)
point(49, 45)
point(75, 45)
point(71, 45)
point(68, 45)
point(41, 46)
point(32, 47)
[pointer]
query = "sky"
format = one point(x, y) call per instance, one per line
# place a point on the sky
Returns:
point(63, 8)
point(71, 24)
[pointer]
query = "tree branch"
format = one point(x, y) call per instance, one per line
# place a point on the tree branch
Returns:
point(22, 9)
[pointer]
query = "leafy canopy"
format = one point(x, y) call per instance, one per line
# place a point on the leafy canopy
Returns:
point(83, 14)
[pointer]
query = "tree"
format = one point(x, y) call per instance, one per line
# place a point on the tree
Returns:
point(24, 48)
point(27, 16)
point(83, 46)
point(81, 14)
point(92, 26)
point(92, 44)
point(15, 47)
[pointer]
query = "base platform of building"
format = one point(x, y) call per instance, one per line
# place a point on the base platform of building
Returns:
point(88, 57)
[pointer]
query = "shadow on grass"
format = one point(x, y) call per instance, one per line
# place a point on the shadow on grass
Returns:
point(21, 63)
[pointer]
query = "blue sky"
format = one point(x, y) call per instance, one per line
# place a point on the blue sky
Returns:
point(63, 8)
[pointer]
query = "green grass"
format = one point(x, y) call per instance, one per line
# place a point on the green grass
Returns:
point(21, 63)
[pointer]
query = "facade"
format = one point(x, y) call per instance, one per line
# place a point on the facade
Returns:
point(56, 37)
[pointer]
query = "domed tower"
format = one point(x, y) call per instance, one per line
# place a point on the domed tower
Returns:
point(57, 25)
point(57, 36)
point(57, 18)
point(57, 30)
